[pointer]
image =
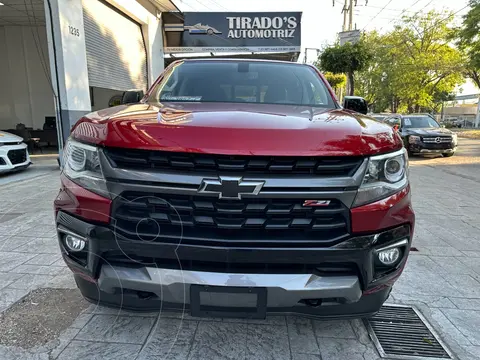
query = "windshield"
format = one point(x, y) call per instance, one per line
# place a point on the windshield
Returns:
point(243, 82)
point(419, 122)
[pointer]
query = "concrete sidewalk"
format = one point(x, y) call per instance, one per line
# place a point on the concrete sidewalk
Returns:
point(442, 279)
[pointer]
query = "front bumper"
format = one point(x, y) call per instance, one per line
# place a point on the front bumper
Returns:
point(367, 305)
point(421, 148)
point(284, 290)
point(338, 281)
point(10, 163)
point(436, 151)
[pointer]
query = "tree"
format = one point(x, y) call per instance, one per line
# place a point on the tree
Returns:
point(336, 81)
point(345, 59)
point(372, 83)
point(468, 40)
point(412, 64)
point(441, 97)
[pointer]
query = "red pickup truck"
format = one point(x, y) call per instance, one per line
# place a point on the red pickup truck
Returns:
point(236, 188)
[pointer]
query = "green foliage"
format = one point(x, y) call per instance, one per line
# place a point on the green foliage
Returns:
point(336, 81)
point(468, 40)
point(414, 68)
point(345, 59)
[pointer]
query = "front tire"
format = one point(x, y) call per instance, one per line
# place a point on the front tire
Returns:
point(448, 154)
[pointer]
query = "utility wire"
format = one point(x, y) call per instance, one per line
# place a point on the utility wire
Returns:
point(219, 5)
point(204, 5)
point(435, 24)
point(422, 7)
point(399, 17)
point(373, 18)
point(444, 19)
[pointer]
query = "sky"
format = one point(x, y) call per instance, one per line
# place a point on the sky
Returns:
point(321, 21)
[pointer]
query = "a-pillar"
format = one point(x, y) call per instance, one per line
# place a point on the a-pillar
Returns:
point(68, 63)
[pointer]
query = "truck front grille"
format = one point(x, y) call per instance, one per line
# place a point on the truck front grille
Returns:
point(17, 156)
point(211, 221)
point(195, 162)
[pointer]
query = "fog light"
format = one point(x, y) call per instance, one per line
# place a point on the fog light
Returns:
point(74, 243)
point(389, 257)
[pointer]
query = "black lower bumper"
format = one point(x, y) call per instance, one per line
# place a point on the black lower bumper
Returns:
point(420, 148)
point(15, 169)
point(339, 281)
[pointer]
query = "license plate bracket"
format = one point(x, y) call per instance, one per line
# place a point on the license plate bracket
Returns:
point(199, 310)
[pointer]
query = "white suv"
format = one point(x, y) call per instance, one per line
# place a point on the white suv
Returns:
point(13, 153)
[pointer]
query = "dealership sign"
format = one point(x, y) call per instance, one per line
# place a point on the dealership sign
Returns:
point(233, 32)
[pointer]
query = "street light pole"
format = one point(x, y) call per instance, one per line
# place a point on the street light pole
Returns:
point(345, 10)
point(350, 14)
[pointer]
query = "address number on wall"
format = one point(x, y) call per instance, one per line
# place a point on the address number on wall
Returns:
point(73, 31)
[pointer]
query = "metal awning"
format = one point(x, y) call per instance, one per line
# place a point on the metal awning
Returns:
point(165, 5)
point(157, 7)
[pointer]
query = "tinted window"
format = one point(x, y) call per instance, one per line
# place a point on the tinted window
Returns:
point(419, 122)
point(392, 121)
point(243, 82)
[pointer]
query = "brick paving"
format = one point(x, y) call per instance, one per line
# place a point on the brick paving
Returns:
point(442, 279)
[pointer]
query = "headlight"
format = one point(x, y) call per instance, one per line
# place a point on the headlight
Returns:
point(454, 138)
point(82, 166)
point(412, 139)
point(386, 174)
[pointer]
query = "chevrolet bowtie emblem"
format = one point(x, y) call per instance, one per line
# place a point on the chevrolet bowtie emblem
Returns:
point(227, 187)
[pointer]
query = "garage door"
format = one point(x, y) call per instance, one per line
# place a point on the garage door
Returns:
point(116, 56)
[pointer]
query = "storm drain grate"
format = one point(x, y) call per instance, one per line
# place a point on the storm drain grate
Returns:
point(401, 332)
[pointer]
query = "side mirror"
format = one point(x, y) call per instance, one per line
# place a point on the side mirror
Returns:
point(355, 103)
point(132, 96)
point(396, 127)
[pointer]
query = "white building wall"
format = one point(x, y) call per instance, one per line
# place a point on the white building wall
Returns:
point(150, 19)
point(154, 41)
point(25, 92)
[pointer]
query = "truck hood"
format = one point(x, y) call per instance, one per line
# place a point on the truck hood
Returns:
point(237, 129)
point(428, 132)
point(6, 137)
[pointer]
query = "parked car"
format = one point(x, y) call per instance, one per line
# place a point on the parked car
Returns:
point(423, 135)
point(379, 117)
point(196, 200)
point(13, 153)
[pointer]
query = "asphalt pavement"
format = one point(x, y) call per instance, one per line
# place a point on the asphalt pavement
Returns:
point(442, 279)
